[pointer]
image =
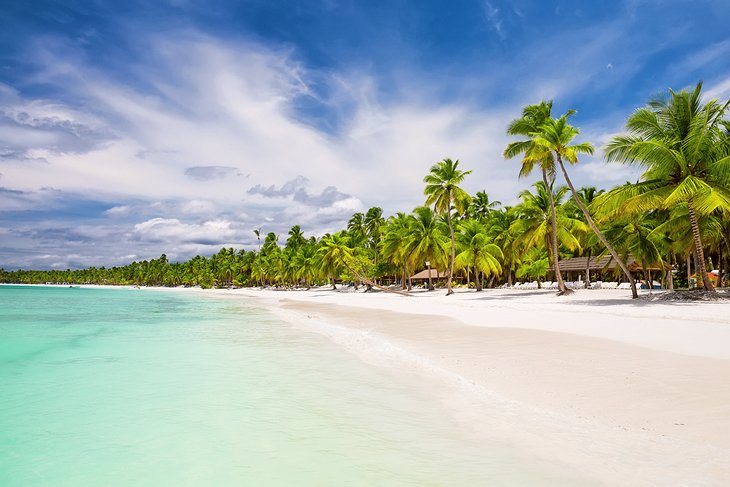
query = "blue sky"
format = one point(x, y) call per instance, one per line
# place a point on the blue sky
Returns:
point(129, 129)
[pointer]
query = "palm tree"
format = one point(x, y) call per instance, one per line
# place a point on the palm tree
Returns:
point(535, 264)
point(554, 138)
point(443, 192)
point(534, 220)
point(480, 206)
point(477, 251)
point(296, 237)
point(685, 149)
point(429, 242)
point(533, 117)
point(335, 251)
point(257, 232)
point(356, 229)
point(372, 222)
point(398, 243)
point(499, 230)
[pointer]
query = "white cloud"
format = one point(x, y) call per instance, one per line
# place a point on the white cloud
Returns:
point(173, 230)
point(720, 90)
point(238, 128)
point(121, 210)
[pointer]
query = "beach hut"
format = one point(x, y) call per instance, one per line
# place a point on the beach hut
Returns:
point(578, 266)
point(435, 274)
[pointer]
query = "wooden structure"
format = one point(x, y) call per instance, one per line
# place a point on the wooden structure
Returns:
point(606, 265)
point(435, 274)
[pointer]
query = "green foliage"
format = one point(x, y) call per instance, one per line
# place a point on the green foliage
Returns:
point(679, 208)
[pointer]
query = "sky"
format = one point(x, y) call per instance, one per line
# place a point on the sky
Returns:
point(129, 129)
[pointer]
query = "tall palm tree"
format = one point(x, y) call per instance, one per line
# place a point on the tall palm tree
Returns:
point(356, 229)
point(443, 192)
point(554, 138)
point(685, 149)
point(533, 117)
point(257, 232)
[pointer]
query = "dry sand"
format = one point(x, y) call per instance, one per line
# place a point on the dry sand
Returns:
point(625, 392)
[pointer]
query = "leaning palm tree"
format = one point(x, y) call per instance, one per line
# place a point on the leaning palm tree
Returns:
point(443, 192)
point(528, 125)
point(685, 149)
point(334, 250)
point(553, 139)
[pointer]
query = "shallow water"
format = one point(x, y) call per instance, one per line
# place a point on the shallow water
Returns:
point(134, 387)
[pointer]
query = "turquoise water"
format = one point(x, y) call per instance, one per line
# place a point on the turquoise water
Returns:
point(132, 387)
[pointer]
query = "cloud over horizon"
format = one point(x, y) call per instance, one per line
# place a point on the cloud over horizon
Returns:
point(198, 135)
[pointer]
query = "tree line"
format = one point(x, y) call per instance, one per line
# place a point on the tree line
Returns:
point(678, 212)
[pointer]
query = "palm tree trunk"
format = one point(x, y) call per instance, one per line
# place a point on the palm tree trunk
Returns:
point(430, 284)
point(554, 236)
point(588, 270)
point(371, 283)
point(599, 234)
point(722, 274)
point(477, 281)
point(449, 291)
point(699, 251)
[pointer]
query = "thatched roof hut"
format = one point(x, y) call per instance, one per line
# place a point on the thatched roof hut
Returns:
point(604, 264)
point(434, 274)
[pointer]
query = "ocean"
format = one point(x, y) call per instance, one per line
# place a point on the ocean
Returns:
point(112, 387)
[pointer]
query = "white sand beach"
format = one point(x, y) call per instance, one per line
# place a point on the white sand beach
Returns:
point(624, 392)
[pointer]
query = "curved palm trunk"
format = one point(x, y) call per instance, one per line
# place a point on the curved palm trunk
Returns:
point(599, 234)
point(554, 236)
point(371, 283)
point(699, 251)
point(450, 291)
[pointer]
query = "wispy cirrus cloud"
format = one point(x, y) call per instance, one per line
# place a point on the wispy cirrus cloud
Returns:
point(199, 137)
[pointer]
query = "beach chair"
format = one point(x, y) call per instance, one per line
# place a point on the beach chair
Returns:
point(596, 284)
point(624, 285)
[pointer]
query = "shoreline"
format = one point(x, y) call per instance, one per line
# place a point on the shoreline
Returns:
point(622, 392)
point(596, 384)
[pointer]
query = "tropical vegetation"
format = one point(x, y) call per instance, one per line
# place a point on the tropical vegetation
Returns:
point(677, 214)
